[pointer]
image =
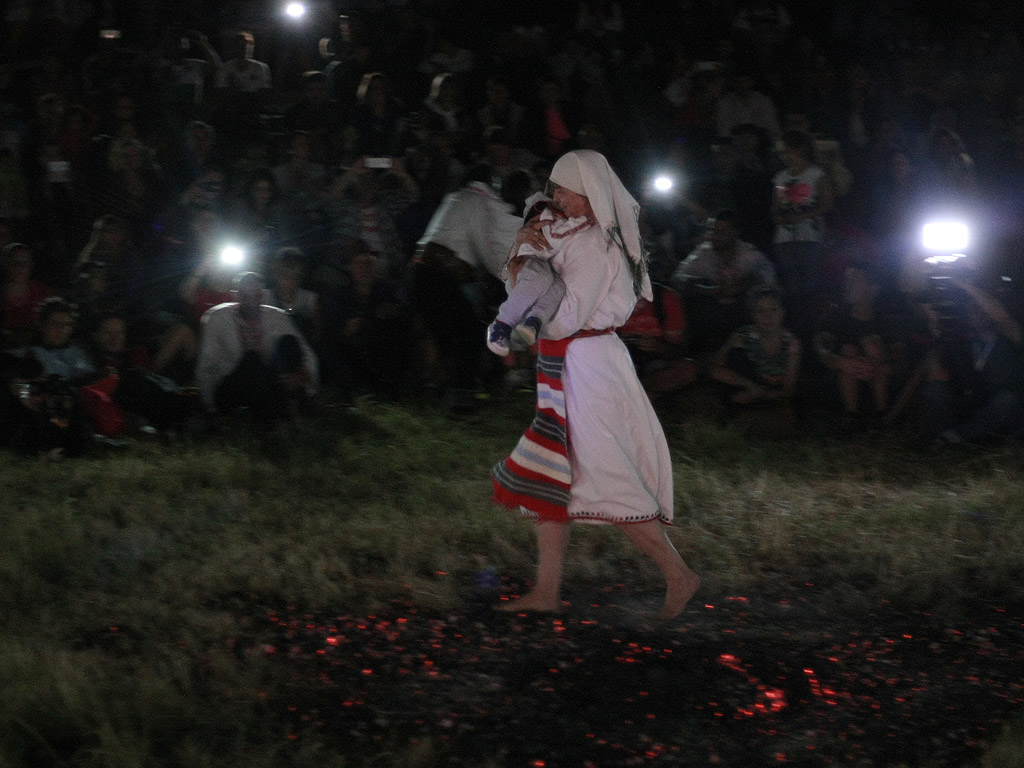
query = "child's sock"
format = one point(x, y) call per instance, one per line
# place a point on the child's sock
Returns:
point(526, 332)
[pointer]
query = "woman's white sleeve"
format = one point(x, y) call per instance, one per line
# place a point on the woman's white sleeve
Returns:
point(587, 271)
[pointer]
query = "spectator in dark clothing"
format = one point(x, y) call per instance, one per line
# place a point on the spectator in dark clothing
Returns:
point(857, 343)
point(257, 216)
point(550, 124)
point(368, 349)
point(378, 118)
point(759, 364)
point(21, 297)
point(975, 385)
point(132, 187)
point(39, 416)
point(500, 110)
point(322, 119)
point(128, 393)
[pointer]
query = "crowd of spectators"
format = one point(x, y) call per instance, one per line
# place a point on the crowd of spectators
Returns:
point(353, 156)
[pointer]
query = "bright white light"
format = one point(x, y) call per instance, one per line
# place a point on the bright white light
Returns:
point(295, 10)
point(232, 255)
point(945, 236)
point(663, 183)
point(945, 258)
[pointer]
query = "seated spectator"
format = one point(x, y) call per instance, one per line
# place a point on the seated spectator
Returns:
point(300, 179)
point(322, 119)
point(53, 346)
point(243, 86)
point(763, 30)
point(185, 65)
point(113, 276)
point(503, 157)
point(207, 190)
point(856, 342)
point(252, 356)
point(286, 292)
point(759, 363)
point(364, 204)
point(549, 125)
point(743, 105)
point(53, 203)
point(39, 415)
point(444, 111)
point(128, 392)
point(751, 184)
point(950, 171)
point(22, 296)
point(378, 118)
point(132, 187)
point(257, 215)
point(242, 73)
point(974, 388)
point(447, 57)
point(369, 347)
point(501, 110)
point(199, 150)
point(714, 280)
point(655, 338)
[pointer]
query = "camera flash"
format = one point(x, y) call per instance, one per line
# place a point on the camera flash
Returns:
point(232, 255)
point(663, 183)
point(945, 236)
point(295, 10)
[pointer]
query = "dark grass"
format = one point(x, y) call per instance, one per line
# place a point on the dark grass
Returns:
point(175, 604)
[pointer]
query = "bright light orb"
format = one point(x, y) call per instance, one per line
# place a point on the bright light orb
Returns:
point(663, 183)
point(945, 236)
point(232, 255)
point(295, 10)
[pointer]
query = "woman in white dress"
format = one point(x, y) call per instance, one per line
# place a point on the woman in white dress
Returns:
point(595, 451)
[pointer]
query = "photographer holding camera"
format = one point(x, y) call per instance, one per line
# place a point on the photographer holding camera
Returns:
point(975, 382)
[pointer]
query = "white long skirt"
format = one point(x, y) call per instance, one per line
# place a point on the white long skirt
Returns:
point(621, 468)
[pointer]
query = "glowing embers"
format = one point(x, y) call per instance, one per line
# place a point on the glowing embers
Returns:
point(768, 701)
point(748, 681)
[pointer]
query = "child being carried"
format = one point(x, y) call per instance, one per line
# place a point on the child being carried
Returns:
point(534, 288)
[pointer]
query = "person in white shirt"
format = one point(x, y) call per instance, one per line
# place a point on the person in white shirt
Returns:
point(743, 105)
point(252, 355)
point(243, 73)
point(463, 249)
point(715, 280)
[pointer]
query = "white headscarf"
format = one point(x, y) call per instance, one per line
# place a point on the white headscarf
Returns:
point(587, 173)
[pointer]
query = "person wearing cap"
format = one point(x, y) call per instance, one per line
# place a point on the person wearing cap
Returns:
point(617, 469)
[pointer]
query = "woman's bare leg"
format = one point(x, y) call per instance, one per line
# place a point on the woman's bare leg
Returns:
point(651, 539)
point(546, 594)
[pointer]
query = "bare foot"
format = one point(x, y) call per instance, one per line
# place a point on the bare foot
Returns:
point(678, 595)
point(530, 602)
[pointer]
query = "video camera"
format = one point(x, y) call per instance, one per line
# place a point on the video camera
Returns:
point(55, 394)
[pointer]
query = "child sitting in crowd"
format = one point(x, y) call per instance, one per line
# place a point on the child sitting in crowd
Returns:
point(759, 363)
